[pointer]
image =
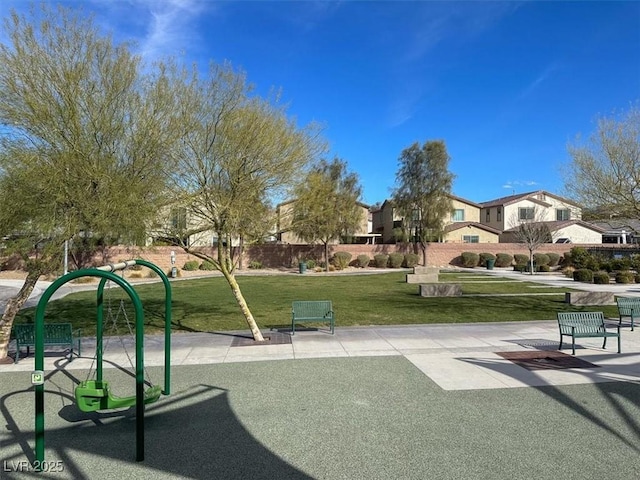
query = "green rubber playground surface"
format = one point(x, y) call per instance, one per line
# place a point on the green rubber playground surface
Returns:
point(342, 418)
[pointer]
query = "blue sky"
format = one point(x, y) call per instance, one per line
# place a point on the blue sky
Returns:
point(507, 85)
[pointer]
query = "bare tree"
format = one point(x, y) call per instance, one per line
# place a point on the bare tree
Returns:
point(532, 231)
point(604, 174)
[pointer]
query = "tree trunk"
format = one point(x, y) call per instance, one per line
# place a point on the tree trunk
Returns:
point(225, 266)
point(242, 303)
point(530, 262)
point(326, 256)
point(14, 305)
point(423, 247)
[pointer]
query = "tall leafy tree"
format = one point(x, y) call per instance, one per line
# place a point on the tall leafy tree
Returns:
point(422, 194)
point(237, 153)
point(604, 173)
point(326, 204)
point(83, 141)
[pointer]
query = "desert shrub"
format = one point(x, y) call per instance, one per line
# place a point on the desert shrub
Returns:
point(151, 274)
point(470, 259)
point(396, 259)
point(625, 276)
point(620, 264)
point(583, 275)
point(190, 266)
point(255, 265)
point(581, 258)
point(634, 261)
point(483, 257)
point(521, 258)
point(554, 259)
point(363, 260)
point(411, 260)
point(381, 260)
point(540, 259)
point(341, 260)
point(206, 265)
point(568, 271)
point(601, 278)
point(504, 260)
point(544, 268)
point(311, 264)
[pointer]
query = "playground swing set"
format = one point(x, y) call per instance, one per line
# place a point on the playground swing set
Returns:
point(94, 395)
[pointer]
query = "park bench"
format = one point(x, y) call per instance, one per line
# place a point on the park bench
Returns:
point(55, 334)
point(628, 307)
point(311, 312)
point(584, 325)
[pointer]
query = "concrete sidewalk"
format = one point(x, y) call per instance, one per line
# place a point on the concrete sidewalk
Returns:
point(456, 357)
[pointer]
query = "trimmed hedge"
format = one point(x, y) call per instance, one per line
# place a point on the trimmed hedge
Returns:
point(504, 260)
point(191, 266)
point(583, 275)
point(363, 260)
point(601, 278)
point(381, 260)
point(521, 258)
point(396, 259)
point(470, 259)
point(554, 259)
point(541, 259)
point(411, 260)
point(341, 260)
point(625, 276)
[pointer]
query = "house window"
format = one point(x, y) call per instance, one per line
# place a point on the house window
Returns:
point(179, 218)
point(563, 214)
point(458, 215)
point(470, 239)
point(488, 215)
point(526, 213)
point(499, 213)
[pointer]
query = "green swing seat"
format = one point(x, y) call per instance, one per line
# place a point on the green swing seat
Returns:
point(93, 395)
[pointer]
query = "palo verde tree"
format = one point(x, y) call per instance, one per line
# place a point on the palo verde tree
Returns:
point(327, 204)
point(237, 153)
point(83, 141)
point(422, 194)
point(604, 173)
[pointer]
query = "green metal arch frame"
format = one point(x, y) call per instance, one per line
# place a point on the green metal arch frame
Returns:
point(139, 314)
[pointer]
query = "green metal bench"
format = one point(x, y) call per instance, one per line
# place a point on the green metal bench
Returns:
point(628, 307)
point(55, 334)
point(312, 312)
point(584, 325)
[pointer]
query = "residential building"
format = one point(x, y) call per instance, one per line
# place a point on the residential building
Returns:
point(284, 217)
point(541, 206)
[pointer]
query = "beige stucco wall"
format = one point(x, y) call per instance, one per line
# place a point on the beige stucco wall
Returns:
point(284, 214)
point(471, 212)
point(457, 236)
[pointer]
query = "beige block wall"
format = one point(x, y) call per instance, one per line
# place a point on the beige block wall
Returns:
point(287, 256)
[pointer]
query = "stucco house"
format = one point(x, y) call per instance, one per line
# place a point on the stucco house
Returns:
point(284, 217)
point(540, 206)
point(576, 231)
point(463, 226)
point(619, 230)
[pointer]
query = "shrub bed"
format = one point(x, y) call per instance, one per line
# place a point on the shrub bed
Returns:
point(470, 259)
point(381, 260)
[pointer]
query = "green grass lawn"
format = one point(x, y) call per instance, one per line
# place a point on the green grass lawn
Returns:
point(207, 304)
